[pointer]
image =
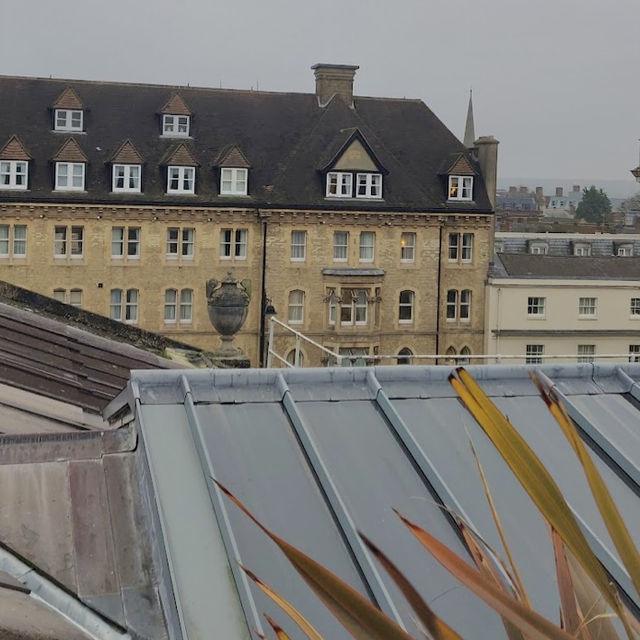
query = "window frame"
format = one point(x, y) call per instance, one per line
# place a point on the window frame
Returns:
point(68, 120)
point(126, 178)
point(535, 308)
point(406, 305)
point(460, 247)
point(174, 130)
point(295, 306)
point(298, 247)
point(634, 308)
point(357, 306)
point(9, 241)
point(341, 247)
point(131, 306)
point(634, 353)
point(182, 174)
point(534, 353)
point(236, 243)
point(372, 183)
point(71, 242)
point(130, 238)
point(587, 307)
point(179, 241)
point(363, 248)
point(343, 184)
point(234, 180)
point(186, 305)
point(407, 247)
point(13, 174)
point(460, 188)
point(71, 174)
point(586, 353)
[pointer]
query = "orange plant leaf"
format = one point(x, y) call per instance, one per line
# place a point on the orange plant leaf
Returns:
point(439, 629)
point(357, 615)
point(277, 629)
point(531, 623)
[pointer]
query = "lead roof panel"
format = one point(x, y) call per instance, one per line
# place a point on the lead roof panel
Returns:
point(328, 452)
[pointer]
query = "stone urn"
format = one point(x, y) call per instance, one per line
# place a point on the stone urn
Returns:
point(227, 305)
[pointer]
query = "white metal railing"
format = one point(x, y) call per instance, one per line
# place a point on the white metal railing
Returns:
point(447, 358)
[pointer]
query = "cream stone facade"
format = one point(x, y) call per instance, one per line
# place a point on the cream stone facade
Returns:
point(540, 319)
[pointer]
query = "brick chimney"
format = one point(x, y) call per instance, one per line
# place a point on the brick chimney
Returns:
point(488, 160)
point(576, 188)
point(539, 192)
point(559, 192)
point(513, 190)
point(332, 80)
point(524, 189)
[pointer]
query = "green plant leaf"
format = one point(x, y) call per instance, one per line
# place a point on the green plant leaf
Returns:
point(531, 623)
point(439, 629)
point(356, 614)
point(534, 478)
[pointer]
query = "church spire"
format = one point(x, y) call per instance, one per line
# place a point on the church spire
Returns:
point(469, 132)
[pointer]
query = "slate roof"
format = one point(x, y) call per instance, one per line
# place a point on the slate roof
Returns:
point(522, 265)
point(283, 135)
point(85, 365)
point(319, 454)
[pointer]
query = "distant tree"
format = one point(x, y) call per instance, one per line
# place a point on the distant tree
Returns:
point(631, 204)
point(594, 206)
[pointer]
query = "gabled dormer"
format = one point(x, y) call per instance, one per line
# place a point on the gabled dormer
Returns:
point(176, 118)
point(14, 165)
point(126, 169)
point(354, 171)
point(459, 175)
point(234, 172)
point(68, 112)
point(181, 170)
point(70, 167)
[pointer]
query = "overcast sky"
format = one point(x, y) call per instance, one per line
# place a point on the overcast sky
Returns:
point(556, 81)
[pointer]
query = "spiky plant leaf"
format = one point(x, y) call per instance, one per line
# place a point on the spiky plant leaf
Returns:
point(536, 480)
point(277, 629)
point(608, 509)
point(439, 629)
point(531, 623)
point(356, 614)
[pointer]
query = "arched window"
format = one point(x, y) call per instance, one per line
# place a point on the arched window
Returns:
point(296, 307)
point(463, 358)
point(451, 355)
point(405, 356)
point(405, 308)
point(291, 358)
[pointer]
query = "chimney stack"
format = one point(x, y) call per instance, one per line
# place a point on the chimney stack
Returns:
point(488, 160)
point(576, 188)
point(513, 190)
point(559, 192)
point(524, 189)
point(539, 192)
point(334, 79)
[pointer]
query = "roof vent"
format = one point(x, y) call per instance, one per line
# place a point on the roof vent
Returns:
point(332, 80)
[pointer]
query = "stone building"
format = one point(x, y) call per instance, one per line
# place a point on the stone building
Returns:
point(364, 221)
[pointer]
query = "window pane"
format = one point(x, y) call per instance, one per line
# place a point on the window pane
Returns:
point(407, 247)
point(241, 243)
point(170, 303)
point(117, 241)
point(4, 239)
point(298, 245)
point(19, 240)
point(186, 304)
point(340, 245)
point(115, 304)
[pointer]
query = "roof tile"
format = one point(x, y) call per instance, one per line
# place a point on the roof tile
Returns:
point(14, 150)
point(68, 99)
point(233, 157)
point(180, 155)
point(70, 151)
point(127, 154)
point(176, 106)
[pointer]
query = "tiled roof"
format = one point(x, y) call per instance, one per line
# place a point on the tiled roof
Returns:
point(523, 265)
point(14, 150)
point(127, 154)
point(322, 454)
point(70, 151)
point(284, 136)
point(176, 106)
point(233, 157)
point(179, 155)
point(68, 99)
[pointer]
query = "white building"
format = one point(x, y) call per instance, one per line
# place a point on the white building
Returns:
point(555, 305)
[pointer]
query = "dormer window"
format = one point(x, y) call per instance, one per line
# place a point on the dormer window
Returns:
point(68, 120)
point(460, 188)
point(233, 181)
point(126, 177)
point(181, 179)
point(369, 185)
point(175, 126)
point(339, 184)
point(581, 249)
point(13, 174)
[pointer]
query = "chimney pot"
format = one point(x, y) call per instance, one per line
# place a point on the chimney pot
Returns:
point(334, 79)
point(559, 191)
